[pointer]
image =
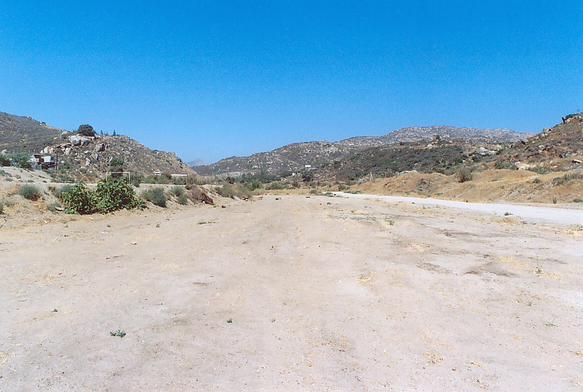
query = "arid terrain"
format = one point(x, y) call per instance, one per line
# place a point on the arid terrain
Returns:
point(293, 293)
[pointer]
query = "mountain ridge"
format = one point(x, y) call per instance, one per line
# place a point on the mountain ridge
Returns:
point(295, 156)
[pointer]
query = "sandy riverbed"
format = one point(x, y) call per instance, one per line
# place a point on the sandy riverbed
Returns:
point(297, 294)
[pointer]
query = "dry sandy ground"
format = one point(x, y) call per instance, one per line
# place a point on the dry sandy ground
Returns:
point(297, 294)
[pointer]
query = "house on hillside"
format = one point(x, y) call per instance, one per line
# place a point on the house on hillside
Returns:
point(43, 161)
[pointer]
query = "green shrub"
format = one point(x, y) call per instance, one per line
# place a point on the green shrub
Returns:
point(29, 192)
point(22, 161)
point(116, 163)
point(80, 200)
point(177, 191)
point(110, 195)
point(116, 194)
point(155, 196)
point(4, 160)
point(59, 192)
point(464, 174)
point(1, 207)
point(183, 199)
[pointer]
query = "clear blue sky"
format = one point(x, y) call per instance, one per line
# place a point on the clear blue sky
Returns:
point(209, 79)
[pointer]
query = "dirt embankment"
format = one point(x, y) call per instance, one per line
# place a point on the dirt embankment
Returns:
point(485, 186)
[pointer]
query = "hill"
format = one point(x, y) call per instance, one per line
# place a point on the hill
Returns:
point(82, 157)
point(24, 134)
point(295, 157)
point(557, 148)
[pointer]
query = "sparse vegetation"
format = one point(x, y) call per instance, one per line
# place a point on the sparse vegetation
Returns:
point(276, 185)
point(155, 196)
point(540, 170)
point(183, 199)
point(464, 174)
point(198, 195)
point(30, 192)
point(4, 160)
point(21, 160)
point(177, 191)
point(234, 191)
point(505, 165)
point(567, 178)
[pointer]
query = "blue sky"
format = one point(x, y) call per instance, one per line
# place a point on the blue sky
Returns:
point(210, 79)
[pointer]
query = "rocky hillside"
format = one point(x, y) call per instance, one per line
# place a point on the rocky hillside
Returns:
point(82, 157)
point(557, 148)
point(295, 157)
point(88, 158)
point(24, 134)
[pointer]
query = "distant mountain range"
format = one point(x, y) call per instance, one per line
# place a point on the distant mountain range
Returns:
point(299, 156)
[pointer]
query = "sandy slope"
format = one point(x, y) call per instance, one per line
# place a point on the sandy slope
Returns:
point(318, 294)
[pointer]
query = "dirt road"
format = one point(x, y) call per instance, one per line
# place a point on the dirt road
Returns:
point(297, 294)
point(535, 213)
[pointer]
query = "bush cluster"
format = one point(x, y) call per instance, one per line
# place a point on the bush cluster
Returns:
point(110, 195)
point(155, 196)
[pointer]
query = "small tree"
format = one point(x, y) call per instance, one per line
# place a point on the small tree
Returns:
point(86, 130)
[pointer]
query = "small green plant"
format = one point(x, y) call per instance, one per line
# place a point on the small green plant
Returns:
point(4, 160)
point(464, 174)
point(155, 196)
point(1, 207)
point(120, 333)
point(29, 192)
